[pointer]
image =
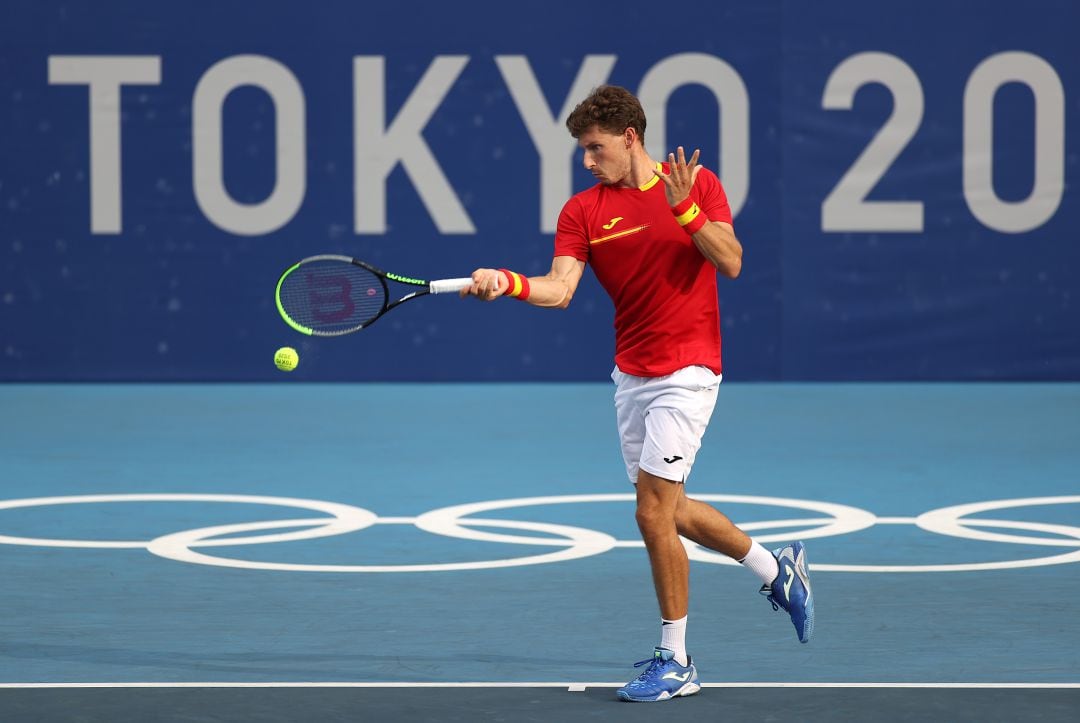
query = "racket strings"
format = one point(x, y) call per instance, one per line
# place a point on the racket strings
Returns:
point(331, 296)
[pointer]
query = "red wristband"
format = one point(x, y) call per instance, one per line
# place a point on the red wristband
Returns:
point(517, 285)
point(683, 206)
point(689, 216)
point(694, 226)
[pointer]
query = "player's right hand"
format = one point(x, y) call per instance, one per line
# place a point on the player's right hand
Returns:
point(485, 285)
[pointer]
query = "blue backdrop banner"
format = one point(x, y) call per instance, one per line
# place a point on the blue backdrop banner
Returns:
point(903, 177)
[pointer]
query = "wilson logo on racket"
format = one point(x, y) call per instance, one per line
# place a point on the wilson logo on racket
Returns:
point(330, 298)
point(405, 279)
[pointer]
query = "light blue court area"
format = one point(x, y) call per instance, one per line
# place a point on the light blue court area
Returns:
point(441, 533)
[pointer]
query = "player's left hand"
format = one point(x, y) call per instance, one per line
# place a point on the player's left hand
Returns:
point(680, 180)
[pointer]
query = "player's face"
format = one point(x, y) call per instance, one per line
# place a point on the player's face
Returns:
point(607, 155)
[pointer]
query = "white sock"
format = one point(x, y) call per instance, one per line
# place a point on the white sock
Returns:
point(761, 562)
point(673, 638)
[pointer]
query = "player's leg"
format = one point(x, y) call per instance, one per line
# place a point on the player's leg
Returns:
point(709, 527)
point(784, 573)
point(657, 501)
point(671, 672)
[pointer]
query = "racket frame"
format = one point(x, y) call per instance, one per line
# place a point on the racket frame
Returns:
point(426, 287)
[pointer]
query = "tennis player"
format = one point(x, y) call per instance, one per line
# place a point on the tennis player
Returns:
point(656, 234)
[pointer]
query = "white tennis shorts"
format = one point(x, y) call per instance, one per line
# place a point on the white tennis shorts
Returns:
point(662, 419)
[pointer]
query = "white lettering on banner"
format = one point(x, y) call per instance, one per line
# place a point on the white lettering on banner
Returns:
point(290, 158)
point(548, 133)
point(378, 149)
point(846, 208)
point(727, 86)
point(104, 74)
point(1049, 183)
point(380, 146)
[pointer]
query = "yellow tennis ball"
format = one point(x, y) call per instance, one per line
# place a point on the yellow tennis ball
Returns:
point(286, 358)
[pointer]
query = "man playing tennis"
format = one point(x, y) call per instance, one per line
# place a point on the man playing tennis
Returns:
point(656, 234)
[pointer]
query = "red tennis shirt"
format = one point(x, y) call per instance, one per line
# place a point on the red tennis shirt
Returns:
point(667, 315)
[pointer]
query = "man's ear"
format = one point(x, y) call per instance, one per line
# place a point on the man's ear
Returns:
point(629, 135)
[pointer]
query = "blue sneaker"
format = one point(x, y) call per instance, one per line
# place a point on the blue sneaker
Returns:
point(663, 679)
point(791, 589)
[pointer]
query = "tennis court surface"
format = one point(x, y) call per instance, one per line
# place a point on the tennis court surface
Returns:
point(361, 552)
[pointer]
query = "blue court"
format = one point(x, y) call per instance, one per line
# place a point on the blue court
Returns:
point(111, 576)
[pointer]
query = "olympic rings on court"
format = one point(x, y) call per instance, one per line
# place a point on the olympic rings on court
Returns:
point(571, 542)
point(344, 518)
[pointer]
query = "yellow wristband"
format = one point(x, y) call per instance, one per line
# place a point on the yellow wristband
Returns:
point(689, 216)
point(517, 285)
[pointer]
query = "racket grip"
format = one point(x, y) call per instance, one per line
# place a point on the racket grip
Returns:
point(449, 286)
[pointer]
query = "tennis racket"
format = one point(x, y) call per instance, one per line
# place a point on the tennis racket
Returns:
point(330, 295)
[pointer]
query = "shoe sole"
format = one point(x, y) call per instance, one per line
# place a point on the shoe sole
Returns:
point(808, 608)
point(688, 689)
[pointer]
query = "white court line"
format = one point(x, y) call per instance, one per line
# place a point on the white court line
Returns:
point(573, 687)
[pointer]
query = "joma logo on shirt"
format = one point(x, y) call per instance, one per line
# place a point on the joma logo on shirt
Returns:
point(611, 224)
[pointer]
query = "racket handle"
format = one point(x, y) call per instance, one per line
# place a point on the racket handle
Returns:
point(449, 286)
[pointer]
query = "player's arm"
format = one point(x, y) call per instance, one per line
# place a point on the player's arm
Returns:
point(715, 240)
point(553, 291)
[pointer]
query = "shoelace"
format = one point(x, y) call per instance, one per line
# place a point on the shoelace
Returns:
point(651, 662)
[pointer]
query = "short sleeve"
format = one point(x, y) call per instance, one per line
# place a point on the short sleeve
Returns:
point(711, 197)
point(571, 238)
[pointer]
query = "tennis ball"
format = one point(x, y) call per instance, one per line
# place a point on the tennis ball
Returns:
point(286, 358)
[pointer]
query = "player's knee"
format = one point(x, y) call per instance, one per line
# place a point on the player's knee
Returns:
point(653, 519)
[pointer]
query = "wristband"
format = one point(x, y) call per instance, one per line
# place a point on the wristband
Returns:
point(682, 206)
point(689, 216)
point(696, 224)
point(517, 285)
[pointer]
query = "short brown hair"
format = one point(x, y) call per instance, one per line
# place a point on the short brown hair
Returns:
point(611, 108)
